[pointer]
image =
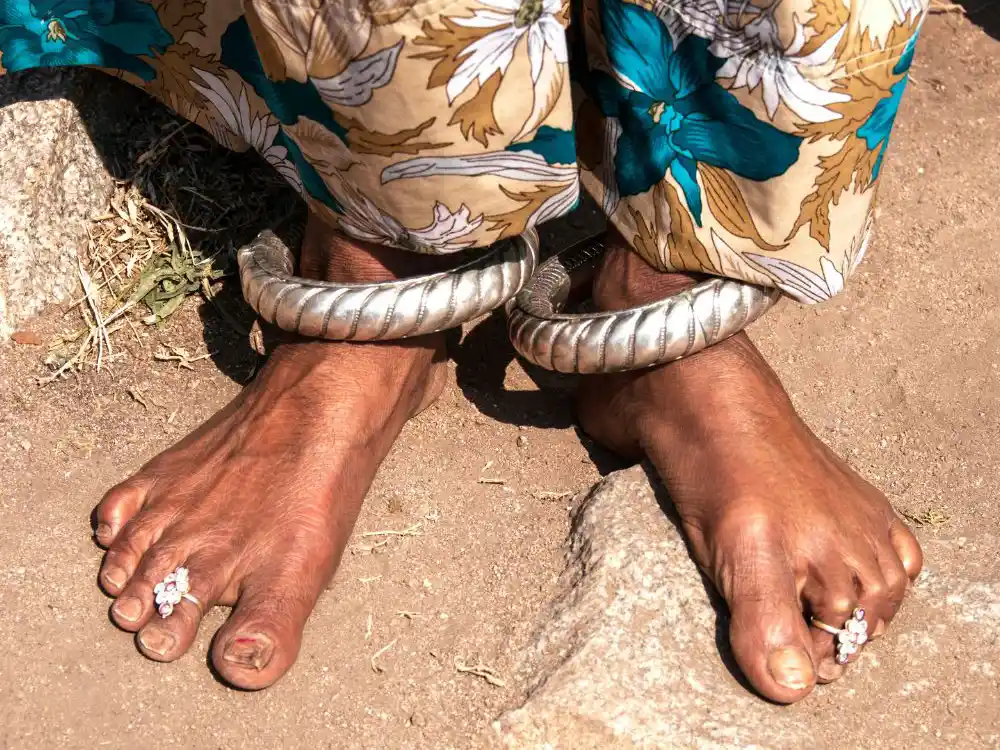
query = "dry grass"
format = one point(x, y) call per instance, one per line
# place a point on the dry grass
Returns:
point(939, 7)
point(930, 517)
point(170, 231)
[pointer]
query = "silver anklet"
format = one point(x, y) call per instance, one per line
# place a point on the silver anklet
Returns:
point(386, 310)
point(631, 339)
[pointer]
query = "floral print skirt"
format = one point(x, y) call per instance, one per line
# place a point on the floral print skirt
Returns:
point(735, 137)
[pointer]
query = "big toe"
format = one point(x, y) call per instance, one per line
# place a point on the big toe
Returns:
point(767, 631)
point(261, 639)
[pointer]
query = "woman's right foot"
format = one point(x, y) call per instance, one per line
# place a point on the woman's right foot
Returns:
point(782, 526)
point(259, 502)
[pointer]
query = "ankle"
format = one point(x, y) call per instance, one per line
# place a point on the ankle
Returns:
point(329, 255)
point(407, 371)
point(623, 279)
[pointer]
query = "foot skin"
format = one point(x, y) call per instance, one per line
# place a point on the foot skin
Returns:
point(259, 502)
point(783, 527)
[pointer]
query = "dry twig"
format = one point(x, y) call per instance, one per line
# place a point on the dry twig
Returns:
point(481, 670)
point(377, 654)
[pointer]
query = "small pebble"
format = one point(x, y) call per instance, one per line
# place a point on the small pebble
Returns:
point(26, 338)
point(522, 441)
point(26, 445)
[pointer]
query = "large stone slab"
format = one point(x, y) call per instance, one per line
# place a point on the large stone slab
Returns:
point(629, 655)
point(52, 179)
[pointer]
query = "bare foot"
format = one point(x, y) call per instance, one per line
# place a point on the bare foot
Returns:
point(782, 526)
point(259, 502)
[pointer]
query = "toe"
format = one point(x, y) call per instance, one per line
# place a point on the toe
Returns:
point(261, 639)
point(134, 606)
point(117, 508)
point(769, 636)
point(125, 553)
point(907, 548)
point(896, 583)
point(831, 597)
point(168, 638)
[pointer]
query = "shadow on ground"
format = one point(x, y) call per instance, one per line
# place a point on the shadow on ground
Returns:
point(223, 198)
point(245, 196)
point(984, 13)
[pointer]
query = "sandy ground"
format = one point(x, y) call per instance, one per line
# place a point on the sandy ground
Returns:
point(899, 375)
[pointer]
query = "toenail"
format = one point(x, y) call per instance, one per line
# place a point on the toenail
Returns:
point(791, 667)
point(828, 670)
point(103, 531)
point(115, 576)
point(879, 630)
point(128, 608)
point(156, 640)
point(254, 652)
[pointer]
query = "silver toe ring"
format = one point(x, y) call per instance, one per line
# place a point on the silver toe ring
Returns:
point(171, 590)
point(379, 311)
point(621, 340)
point(850, 638)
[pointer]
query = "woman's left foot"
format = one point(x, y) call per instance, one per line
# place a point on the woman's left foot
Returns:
point(782, 526)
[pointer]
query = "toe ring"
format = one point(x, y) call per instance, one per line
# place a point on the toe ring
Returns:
point(850, 638)
point(195, 601)
point(171, 590)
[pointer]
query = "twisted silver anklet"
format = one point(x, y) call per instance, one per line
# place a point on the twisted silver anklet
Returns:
point(386, 310)
point(631, 339)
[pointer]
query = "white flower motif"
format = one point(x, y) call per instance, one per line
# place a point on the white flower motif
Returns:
point(606, 170)
point(257, 130)
point(859, 245)
point(806, 285)
point(756, 57)
point(708, 19)
point(505, 23)
point(526, 166)
point(800, 282)
point(905, 8)
point(729, 263)
point(448, 231)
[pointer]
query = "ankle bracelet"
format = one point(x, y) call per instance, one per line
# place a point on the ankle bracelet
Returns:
point(398, 309)
point(652, 334)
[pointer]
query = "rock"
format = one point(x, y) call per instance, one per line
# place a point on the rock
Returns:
point(629, 655)
point(52, 179)
point(27, 338)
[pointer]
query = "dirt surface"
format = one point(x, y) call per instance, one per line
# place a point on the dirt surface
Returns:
point(899, 375)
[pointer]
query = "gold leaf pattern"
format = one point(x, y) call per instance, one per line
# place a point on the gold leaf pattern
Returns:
point(729, 208)
point(867, 78)
point(669, 242)
point(451, 41)
point(182, 17)
point(685, 249)
point(175, 70)
point(853, 163)
point(513, 223)
point(475, 118)
point(411, 115)
point(373, 142)
point(644, 240)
